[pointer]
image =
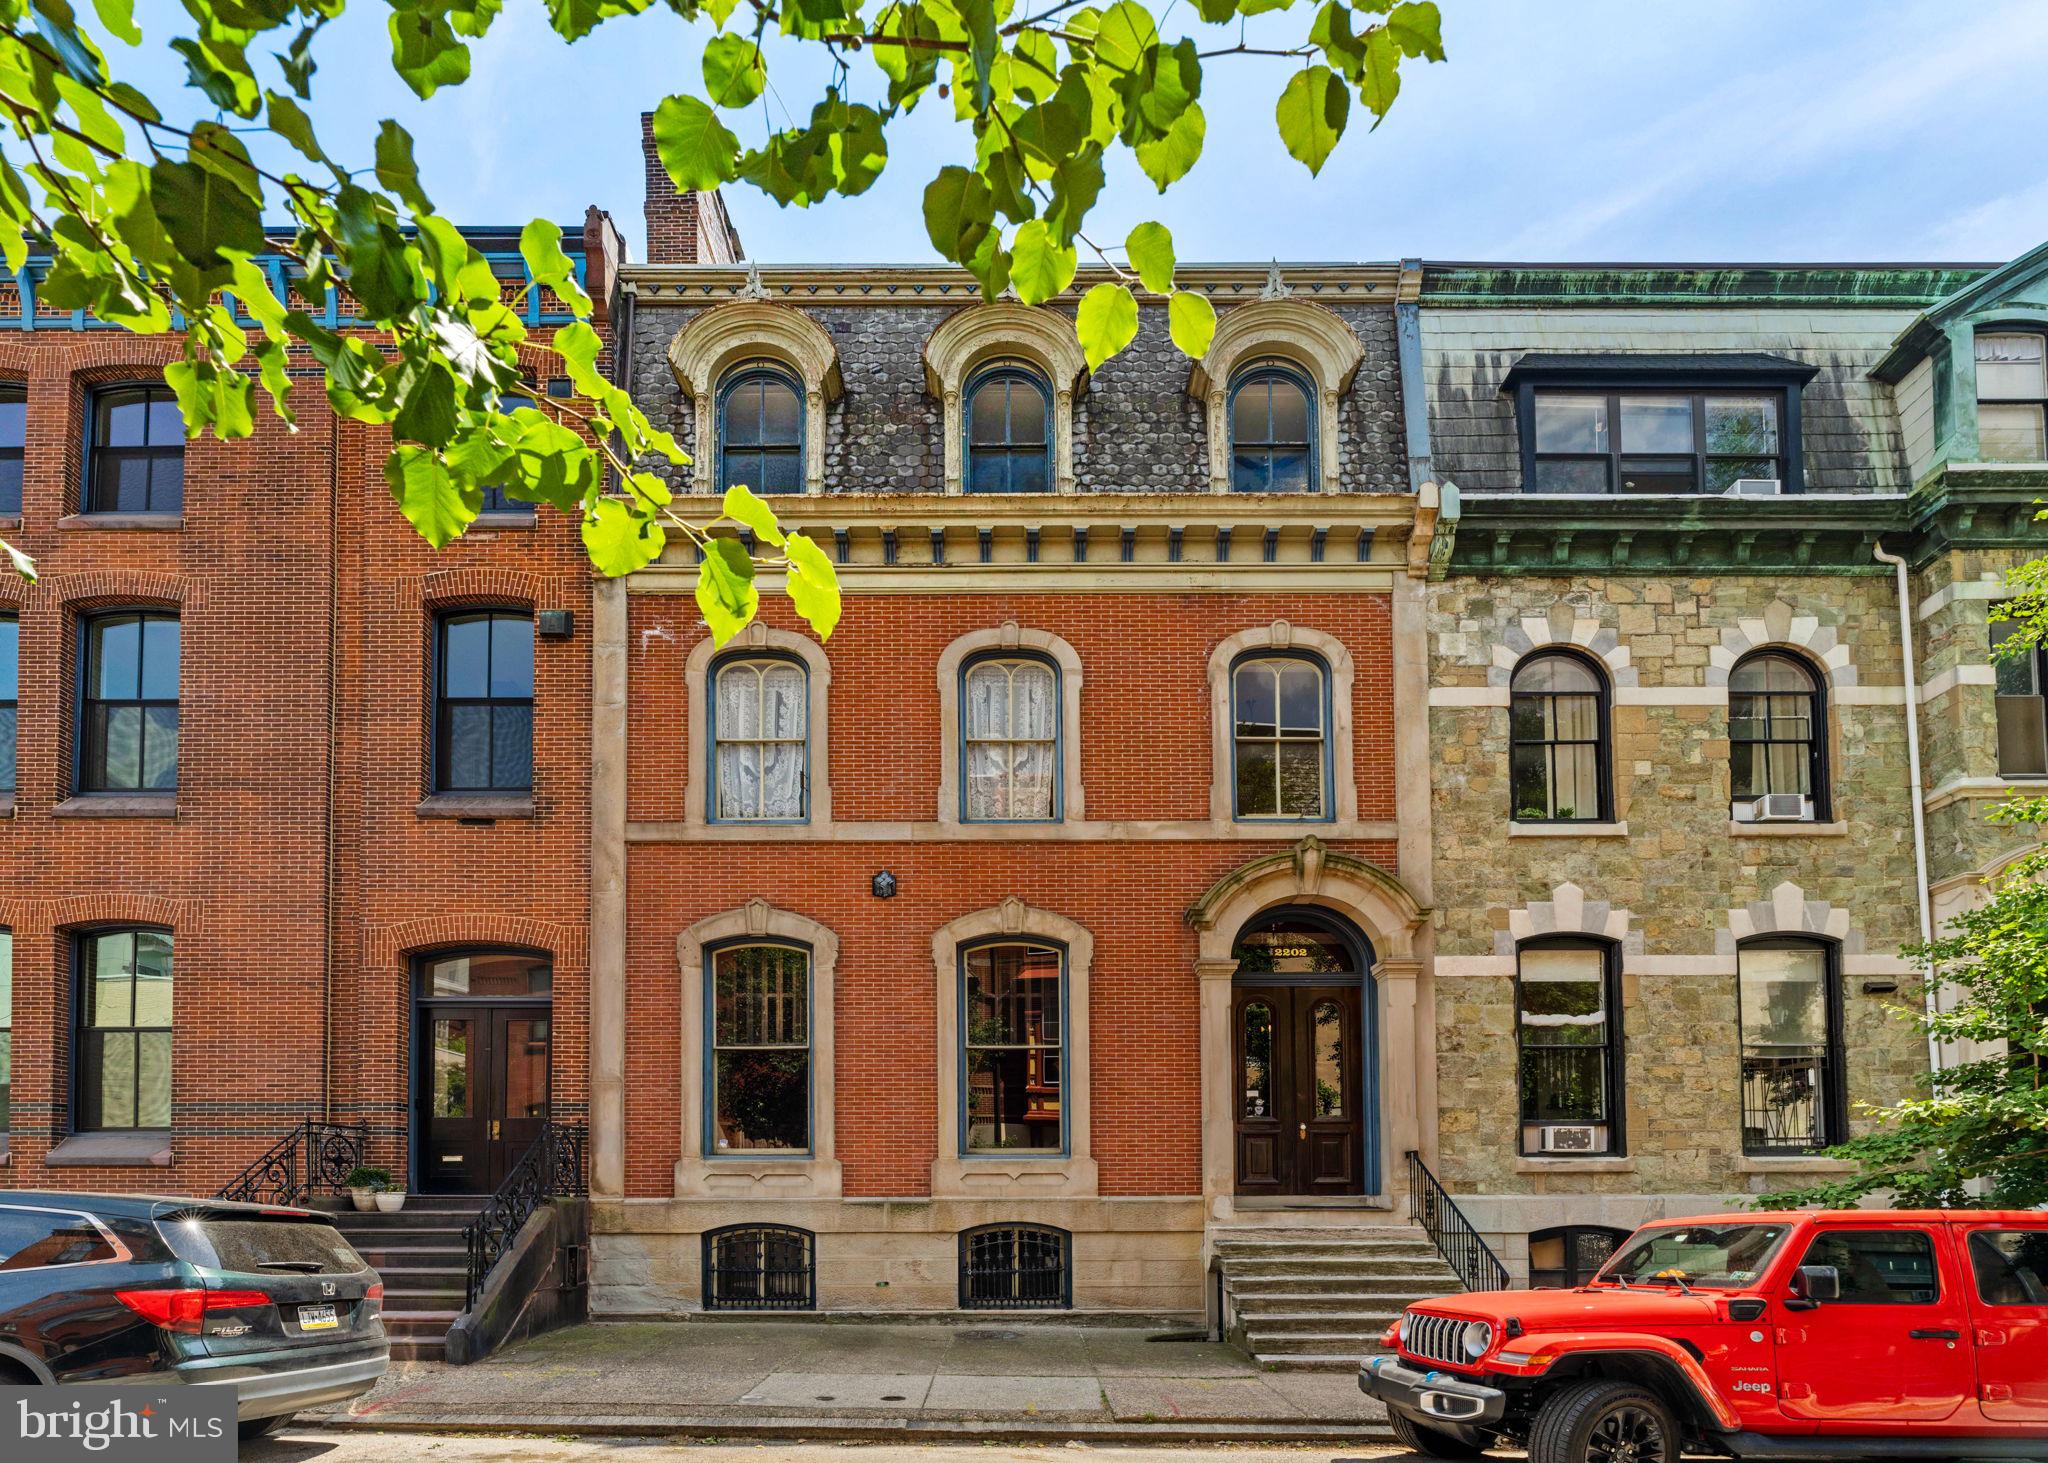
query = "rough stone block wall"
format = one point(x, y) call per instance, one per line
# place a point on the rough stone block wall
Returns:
point(1852, 442)
point(1678, 871)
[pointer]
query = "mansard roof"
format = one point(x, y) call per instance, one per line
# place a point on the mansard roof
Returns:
point(1987, 295)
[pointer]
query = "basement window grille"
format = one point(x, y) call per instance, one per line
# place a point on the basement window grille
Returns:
point(1016, 1267)
point(760, 1267)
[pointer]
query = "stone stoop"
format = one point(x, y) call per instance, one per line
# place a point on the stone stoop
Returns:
point(419, 1255)
point(1318, 1299)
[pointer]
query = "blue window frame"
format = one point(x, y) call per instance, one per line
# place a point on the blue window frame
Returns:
point(1272, 430)
point(760, 717)
point(1280, 738)
point(483, 702)
point(1009, 431)
point(10, 692)
point(128, 703)
point(757, 1033)
point(13, 439)
point(495, 498)
point(1013, 1048)
point(761, 431)
point(134, 451)
point(1010, 739)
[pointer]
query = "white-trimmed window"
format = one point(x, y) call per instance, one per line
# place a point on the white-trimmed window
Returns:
point(760, 737)
point(2012, 396)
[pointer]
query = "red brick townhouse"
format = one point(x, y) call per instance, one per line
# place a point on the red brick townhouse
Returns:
point(1063, 914)
point(293, 809)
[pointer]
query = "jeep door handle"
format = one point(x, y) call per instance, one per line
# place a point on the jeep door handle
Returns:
point(1929, 1335)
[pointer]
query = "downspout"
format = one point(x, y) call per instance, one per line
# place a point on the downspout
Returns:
point(1913, 779)
point(327, 819)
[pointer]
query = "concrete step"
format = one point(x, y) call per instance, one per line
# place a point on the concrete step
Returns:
point(1271, 1324)
point(1326, 1268)
point(409, 1299)
point(420, 1323)
point(1252, 1307)
point(419, 1348)
point(1293, 1362)
point(410, 1236)
point(1373, 1284)
point(1320, 1244)
point(1338, 1341)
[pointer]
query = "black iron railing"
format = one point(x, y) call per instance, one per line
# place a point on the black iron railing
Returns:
point(313, 1158)
point(760, 1267)
point(1016, 1267)
point(1431, 1206)
point(551, 1168)
point(1784, 1100)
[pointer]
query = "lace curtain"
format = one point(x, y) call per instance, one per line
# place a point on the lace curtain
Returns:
point(1012, 717)
point(763, 719)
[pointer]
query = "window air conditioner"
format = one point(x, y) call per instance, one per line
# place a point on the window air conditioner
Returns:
point(1781, 807)
point(1577, 1138)
point(1754, 488)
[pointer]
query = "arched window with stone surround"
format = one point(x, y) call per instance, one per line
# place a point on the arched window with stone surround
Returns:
point(1308, 343)
point(761, 430)
point(1776, 762)
point(760, 737)
point(1558, 758)
point(1009, 430)
point(1280, 737)
point(1272, 430)
point(1002, 372)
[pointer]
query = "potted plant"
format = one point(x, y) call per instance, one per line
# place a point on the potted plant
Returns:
point(390, 1197)
point(363, 1185)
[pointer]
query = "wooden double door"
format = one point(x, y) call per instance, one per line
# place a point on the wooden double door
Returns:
point(1299, 1089)
point(483, 1092)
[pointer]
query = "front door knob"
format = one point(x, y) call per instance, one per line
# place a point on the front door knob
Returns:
point(1304, 1132)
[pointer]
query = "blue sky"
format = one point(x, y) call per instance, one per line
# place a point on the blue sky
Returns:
point(1679, 130)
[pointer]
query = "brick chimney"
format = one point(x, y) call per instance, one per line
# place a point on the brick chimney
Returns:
point(683, 228)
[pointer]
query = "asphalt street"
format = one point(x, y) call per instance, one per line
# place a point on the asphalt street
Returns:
point(314, 1445)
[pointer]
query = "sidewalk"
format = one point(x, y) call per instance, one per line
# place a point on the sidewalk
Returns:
point(878, 1381)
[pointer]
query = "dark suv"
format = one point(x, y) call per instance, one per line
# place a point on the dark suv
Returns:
point(146, 1291)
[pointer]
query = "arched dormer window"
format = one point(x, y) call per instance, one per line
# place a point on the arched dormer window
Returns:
point(713, 358)
point(761, 430)
point(1559, 760)
point(1009, 431)
point(1307, 345)
point(1776, 756)
point(984, 344)
point(2012, 395)
point(1272, 430)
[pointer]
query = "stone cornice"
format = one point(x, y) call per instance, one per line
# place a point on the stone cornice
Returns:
point(944, 285)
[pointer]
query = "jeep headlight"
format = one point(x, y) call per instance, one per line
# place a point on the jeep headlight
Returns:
point(1401, 1331)
point(1477, 1337)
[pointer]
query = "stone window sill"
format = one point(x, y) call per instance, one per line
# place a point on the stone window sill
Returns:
point(477, 805)
point(1575, 1165)
point(6, 1157)
point(151, 522)
point(504, 522)
point(10, 520)
point(118, 805)
point(1568, 830)
point(1793, 1163)
point(6, 805)
point(111, 1150)
point(757, 1180)
point(1787, 830)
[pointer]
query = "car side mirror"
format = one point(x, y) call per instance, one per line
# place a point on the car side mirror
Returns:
point(1812, 1284)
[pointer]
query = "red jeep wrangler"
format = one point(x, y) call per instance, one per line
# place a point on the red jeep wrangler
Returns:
point(1850, 1334)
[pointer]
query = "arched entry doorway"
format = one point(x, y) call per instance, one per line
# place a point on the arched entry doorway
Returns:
point(1304, 1035)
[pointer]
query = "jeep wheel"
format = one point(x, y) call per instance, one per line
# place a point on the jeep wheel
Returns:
point(1604, 1422)
point(1428, 1441)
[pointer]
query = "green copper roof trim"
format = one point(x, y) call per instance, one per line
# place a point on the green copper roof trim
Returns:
point(1878, 286)
point(1529, 534)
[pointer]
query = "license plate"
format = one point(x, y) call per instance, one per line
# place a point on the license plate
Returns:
point(318, 1318)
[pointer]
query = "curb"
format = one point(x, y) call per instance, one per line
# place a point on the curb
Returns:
point(872, 1429)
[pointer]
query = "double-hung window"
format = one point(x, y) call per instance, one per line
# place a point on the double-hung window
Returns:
point(483, 738)
point(760, 733)
point(1775, 760)
point(761, 431)
point(1272, 431)
point(1013, 1048)
point(10, 692)
point(760, 1022)
point(2012, 396)
point(13, 439)
point(129, 740)
point(2022, 705)
point(1789, 996)
point(1280, 737)
point(1011, 727)
point(1009, 432)
point(1557, 728)
point(124, 1030)
point(6, 1029)
point(1567, 1021)
point(135, 455)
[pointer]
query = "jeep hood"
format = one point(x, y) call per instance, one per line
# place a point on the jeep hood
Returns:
point(1605, 1309)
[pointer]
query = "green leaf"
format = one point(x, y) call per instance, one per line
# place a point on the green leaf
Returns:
point(540, 245)
point(1331, 30)
point(1192, 321)
point(425, 50)
point(396, 170)
point(1311, 114)
point(813, 584)
point(204, 213)
point(118, 16)
point(726, 592)
point(1076, 184)
point(1418, 29)
point(1126, 32)
point(431, 500)
point(1380, 80)
point(958, 212)
point(697, 149)
point(619, 541)
point(1150, 248)
point(733, 73)
point(747, 510)
point(1108, 321)
point(982, 45)
point(289, 121)
point(1169, 81)
point(1040, 267)
point(1166, 160)
point(26, 567)
point(426, 412)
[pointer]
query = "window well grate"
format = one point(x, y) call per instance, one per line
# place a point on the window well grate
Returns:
point(760, 1267)
point(1016, 1267)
